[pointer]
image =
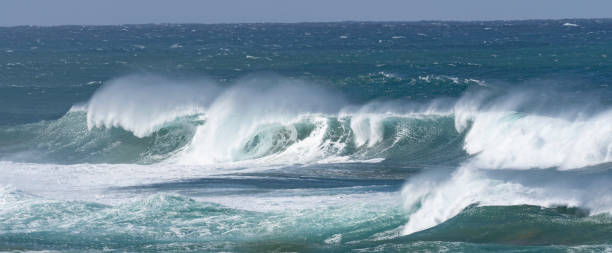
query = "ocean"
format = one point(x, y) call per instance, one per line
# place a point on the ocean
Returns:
point(307, 137)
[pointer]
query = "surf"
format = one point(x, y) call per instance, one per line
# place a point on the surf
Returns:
point(273, 120)
point(463, 147)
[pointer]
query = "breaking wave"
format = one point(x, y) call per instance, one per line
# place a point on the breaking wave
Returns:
point(272, 120)
point(488, 148)
point(553, 154)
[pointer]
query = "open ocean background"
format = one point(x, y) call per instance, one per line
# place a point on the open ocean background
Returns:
point(307, 137)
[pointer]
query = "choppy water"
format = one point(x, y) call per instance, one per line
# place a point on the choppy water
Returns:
point(316, 137)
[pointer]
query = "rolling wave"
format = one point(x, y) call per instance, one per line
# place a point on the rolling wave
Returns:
point(271, 120)
point(274, 121)
point(307, 138)
point(525, 149)
point(68, 141)
point(487, 149)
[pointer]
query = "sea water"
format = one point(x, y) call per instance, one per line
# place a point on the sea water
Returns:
point(312, 137)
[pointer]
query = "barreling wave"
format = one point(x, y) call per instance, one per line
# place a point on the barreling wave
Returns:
point(308, 138)
point(488, 148)
point(271, 120)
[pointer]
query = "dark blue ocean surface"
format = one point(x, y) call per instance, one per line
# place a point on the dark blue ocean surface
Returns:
point(45, 70)
point(310, 137)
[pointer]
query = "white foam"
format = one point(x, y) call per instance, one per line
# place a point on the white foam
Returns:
point(260, 107)
point(512, 140)
point(500, 137)
point(90, 182)
point(142, 104)
point(432, 201)
point(367, 129)
point(239, 113)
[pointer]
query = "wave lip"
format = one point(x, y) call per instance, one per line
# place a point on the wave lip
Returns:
point(524, 149)
point(274, 121)
point(434, 198)
point(524, 141)
point(238, 112)
point(142, 104)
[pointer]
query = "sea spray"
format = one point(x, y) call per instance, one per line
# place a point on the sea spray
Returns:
point(496, 132)
point(141, 104)
point(505, 131)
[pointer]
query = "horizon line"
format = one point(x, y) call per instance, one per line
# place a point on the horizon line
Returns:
point(316, 22)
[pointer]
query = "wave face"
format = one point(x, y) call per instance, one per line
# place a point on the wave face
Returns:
point(266, 122)
point(375, 137)
point(68, 140)
point(524, 149)
point(270, 120)
point(143, 104)
point(521, 224)
point(474, 156)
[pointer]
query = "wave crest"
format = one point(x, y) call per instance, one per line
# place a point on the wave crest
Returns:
point(142, 104)
point(273, 120)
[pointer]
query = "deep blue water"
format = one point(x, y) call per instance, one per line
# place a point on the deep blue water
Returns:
point(311, 137)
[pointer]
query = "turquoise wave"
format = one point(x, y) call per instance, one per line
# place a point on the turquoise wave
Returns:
point(419, 139)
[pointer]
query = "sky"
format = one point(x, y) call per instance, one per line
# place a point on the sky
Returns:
point(112, 12)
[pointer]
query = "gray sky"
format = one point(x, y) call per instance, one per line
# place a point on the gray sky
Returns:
point(60, 12)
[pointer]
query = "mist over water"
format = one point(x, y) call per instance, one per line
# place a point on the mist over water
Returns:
point(142, 104)
point(265, 116)
point(383, 161)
